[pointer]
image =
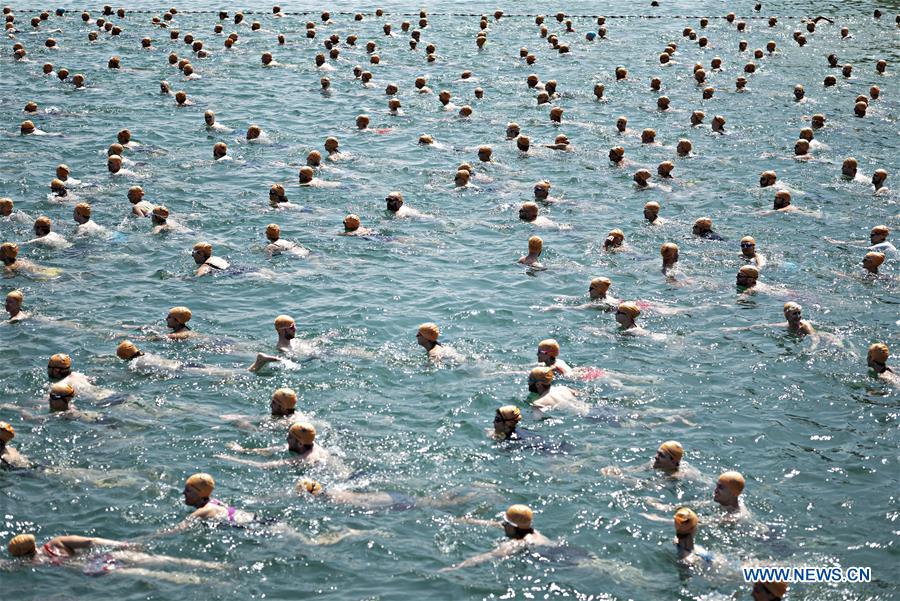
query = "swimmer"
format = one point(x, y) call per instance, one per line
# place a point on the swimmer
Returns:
point(286, 328)
point(718, 124)
point(10, 458)
point(307, 178)
point(528, 213)
point(548, 355)
point(748, 252)
point(542, 192)
point(202, 254)
point(59, 371)
point(878, 237)
point(27, 128)
point(9, 214)
point(151, 363)
point(651, 213)
point(278, 198)
point(331, 146)
point(872, 261)
point(560, 142)
point(878, 179)
point(60, 400)
point(746, 279)
point(301, 440)
point(63, 174)
point(13, 306)
point(626, 316)
point(598, 293)
point(727, 494)
point(535, 247)
point(642, 179)
point(703, 228)
point(396, 208)
point(86, 225)
point(220, 152)
point(352, 227)
point(123, 137)
point(685, 528)
point(668, 461)
point(212, 125)
point(617, 156)
point(549, 396)
point(12, 264)
point(520, 533)
point(669, 253)
point(114, 165)
point(197, 493)
point(177, 321)
point(278, 245)
point(372, 501)
point(427, 337)
point(46, 237)
point(614, 240)
point(876, 359)
point(139, 206)
point(664, 169)
point(159, 218)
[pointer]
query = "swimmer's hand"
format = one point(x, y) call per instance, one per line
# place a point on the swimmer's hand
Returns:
point(261, 360)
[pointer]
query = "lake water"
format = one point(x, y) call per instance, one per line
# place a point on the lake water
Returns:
point(814, 434)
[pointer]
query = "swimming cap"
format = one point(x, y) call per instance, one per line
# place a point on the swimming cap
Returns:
point(21, 545)
point(668, 249)
point(685, 521)
point(284, 321)
point(7, 203)
point(309, 485)
point(7, 432)
point(750, 271)
point(303, 432)
point(733, 481)
point(519, 516)
point(202, 483)
point(791, 306)
point(16, 295)
point(876, 257)
point(779, 589)
point(114, 158)
point(542, 185)
point(604, 283)
point(541, 374)
point(642, 174)
point(881, 230)
point(879, 352)
point(181, 314)
point(9, 250)
point(43, 221)
point(616, 234)
point(83, 209)
point(351, 222)
point(161, 212)
point(276, 190)
point(273, 232)
point(704, 223)
point(630, 309)
point(60, 360)
point(510, 412)
point(748, 240)
point(673, 449)
point(285, 398)
point(429, 331)
point(126, 351)
point(204, 248)
point(549, 346)
point(62, 390)
point(535, 244)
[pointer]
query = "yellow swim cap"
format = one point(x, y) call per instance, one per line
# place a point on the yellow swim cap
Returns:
point(161, 212)
point(617, 234)
point(181, 314)
point(685, 521)
point(879, 352)
point(351, 222)
point(748, 240)
point(276, 190)
point(273, 232)
point(535, 244)
point(43, 221)
point(429, 331)
point(668, 249)
point(673, 449)
point(519, 516)
point(304, 432)
point(126, 351)
point(703, 222)
point(549, 346)
point(16, 295)
point(202, 483)
point(286, 398)
point(630, 309)
point(60, 360)
point(62, 390)
point(652, 205)
point(874, 257)
point(750, 271)
point(309, 485)
point(881, 230)
point(9, 250)
point(7, 432)
point(541, 374)
point(542, 185)
point(791, 306)
point(22, 545)
point(779, 589)
point(733, 481)
point(114, 158)
point(83, 209)
point(284, 321)
point(510, 412)
point(603, 283)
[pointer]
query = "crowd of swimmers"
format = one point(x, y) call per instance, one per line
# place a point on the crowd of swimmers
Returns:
point(517, 522)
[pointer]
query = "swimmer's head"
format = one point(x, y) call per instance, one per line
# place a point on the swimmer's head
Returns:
point(877, 356)
point(728, 488)
point(127, 350)
point(306, 174)
point(22, 545)
point(273, 232)
point(159, 215)
point(253, 132)
point(872, 261)
point(651, 211)
point(135, 194)
point(427, 333)
point(648, 136)
point(394, 201)
point(284, 402)
point(302, 433)
point(461, 178)
point(82, 212)
point(747, 276)
point(42, 225)
point(7, 432)
point(201, 252)
point(684, 147)
point(540, 379)
point(535, 245)
point(27, 127)
point(616, 154)
point(548, 351)
point(748, 246)
point(669, 252)
point(622, 123)
point(198, 489)
point(627, 312)
point(351, 223)
point(793, 312)
point(665, 169)
point(6, 207)
point(8, 252)
point(599, 287)
point(641, 177)
point(14, 301)
point(697, 117)
point(362, 121)
point(61, 395)
point(614, 238)
point(685, 522)
point(879, 177)
point(818, 121)
point(310, 486)
point(219, 150)
point(509, 414)
point(668, 455)
point(285, 326)
point(528, 211)
point(314, 158)
point(331, 144)
point(767, 178)
point(879, 234)
point(517, 521)
point(702, 226)
point(59, 366)
point(178, 317)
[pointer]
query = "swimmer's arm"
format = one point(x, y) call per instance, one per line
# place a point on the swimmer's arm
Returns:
point(256, 450)
point(261, 360)
point(83, 542)
point(477, 522)
point(655, 504)
point(504, 550)
point(203, 270)
point(259, 464)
